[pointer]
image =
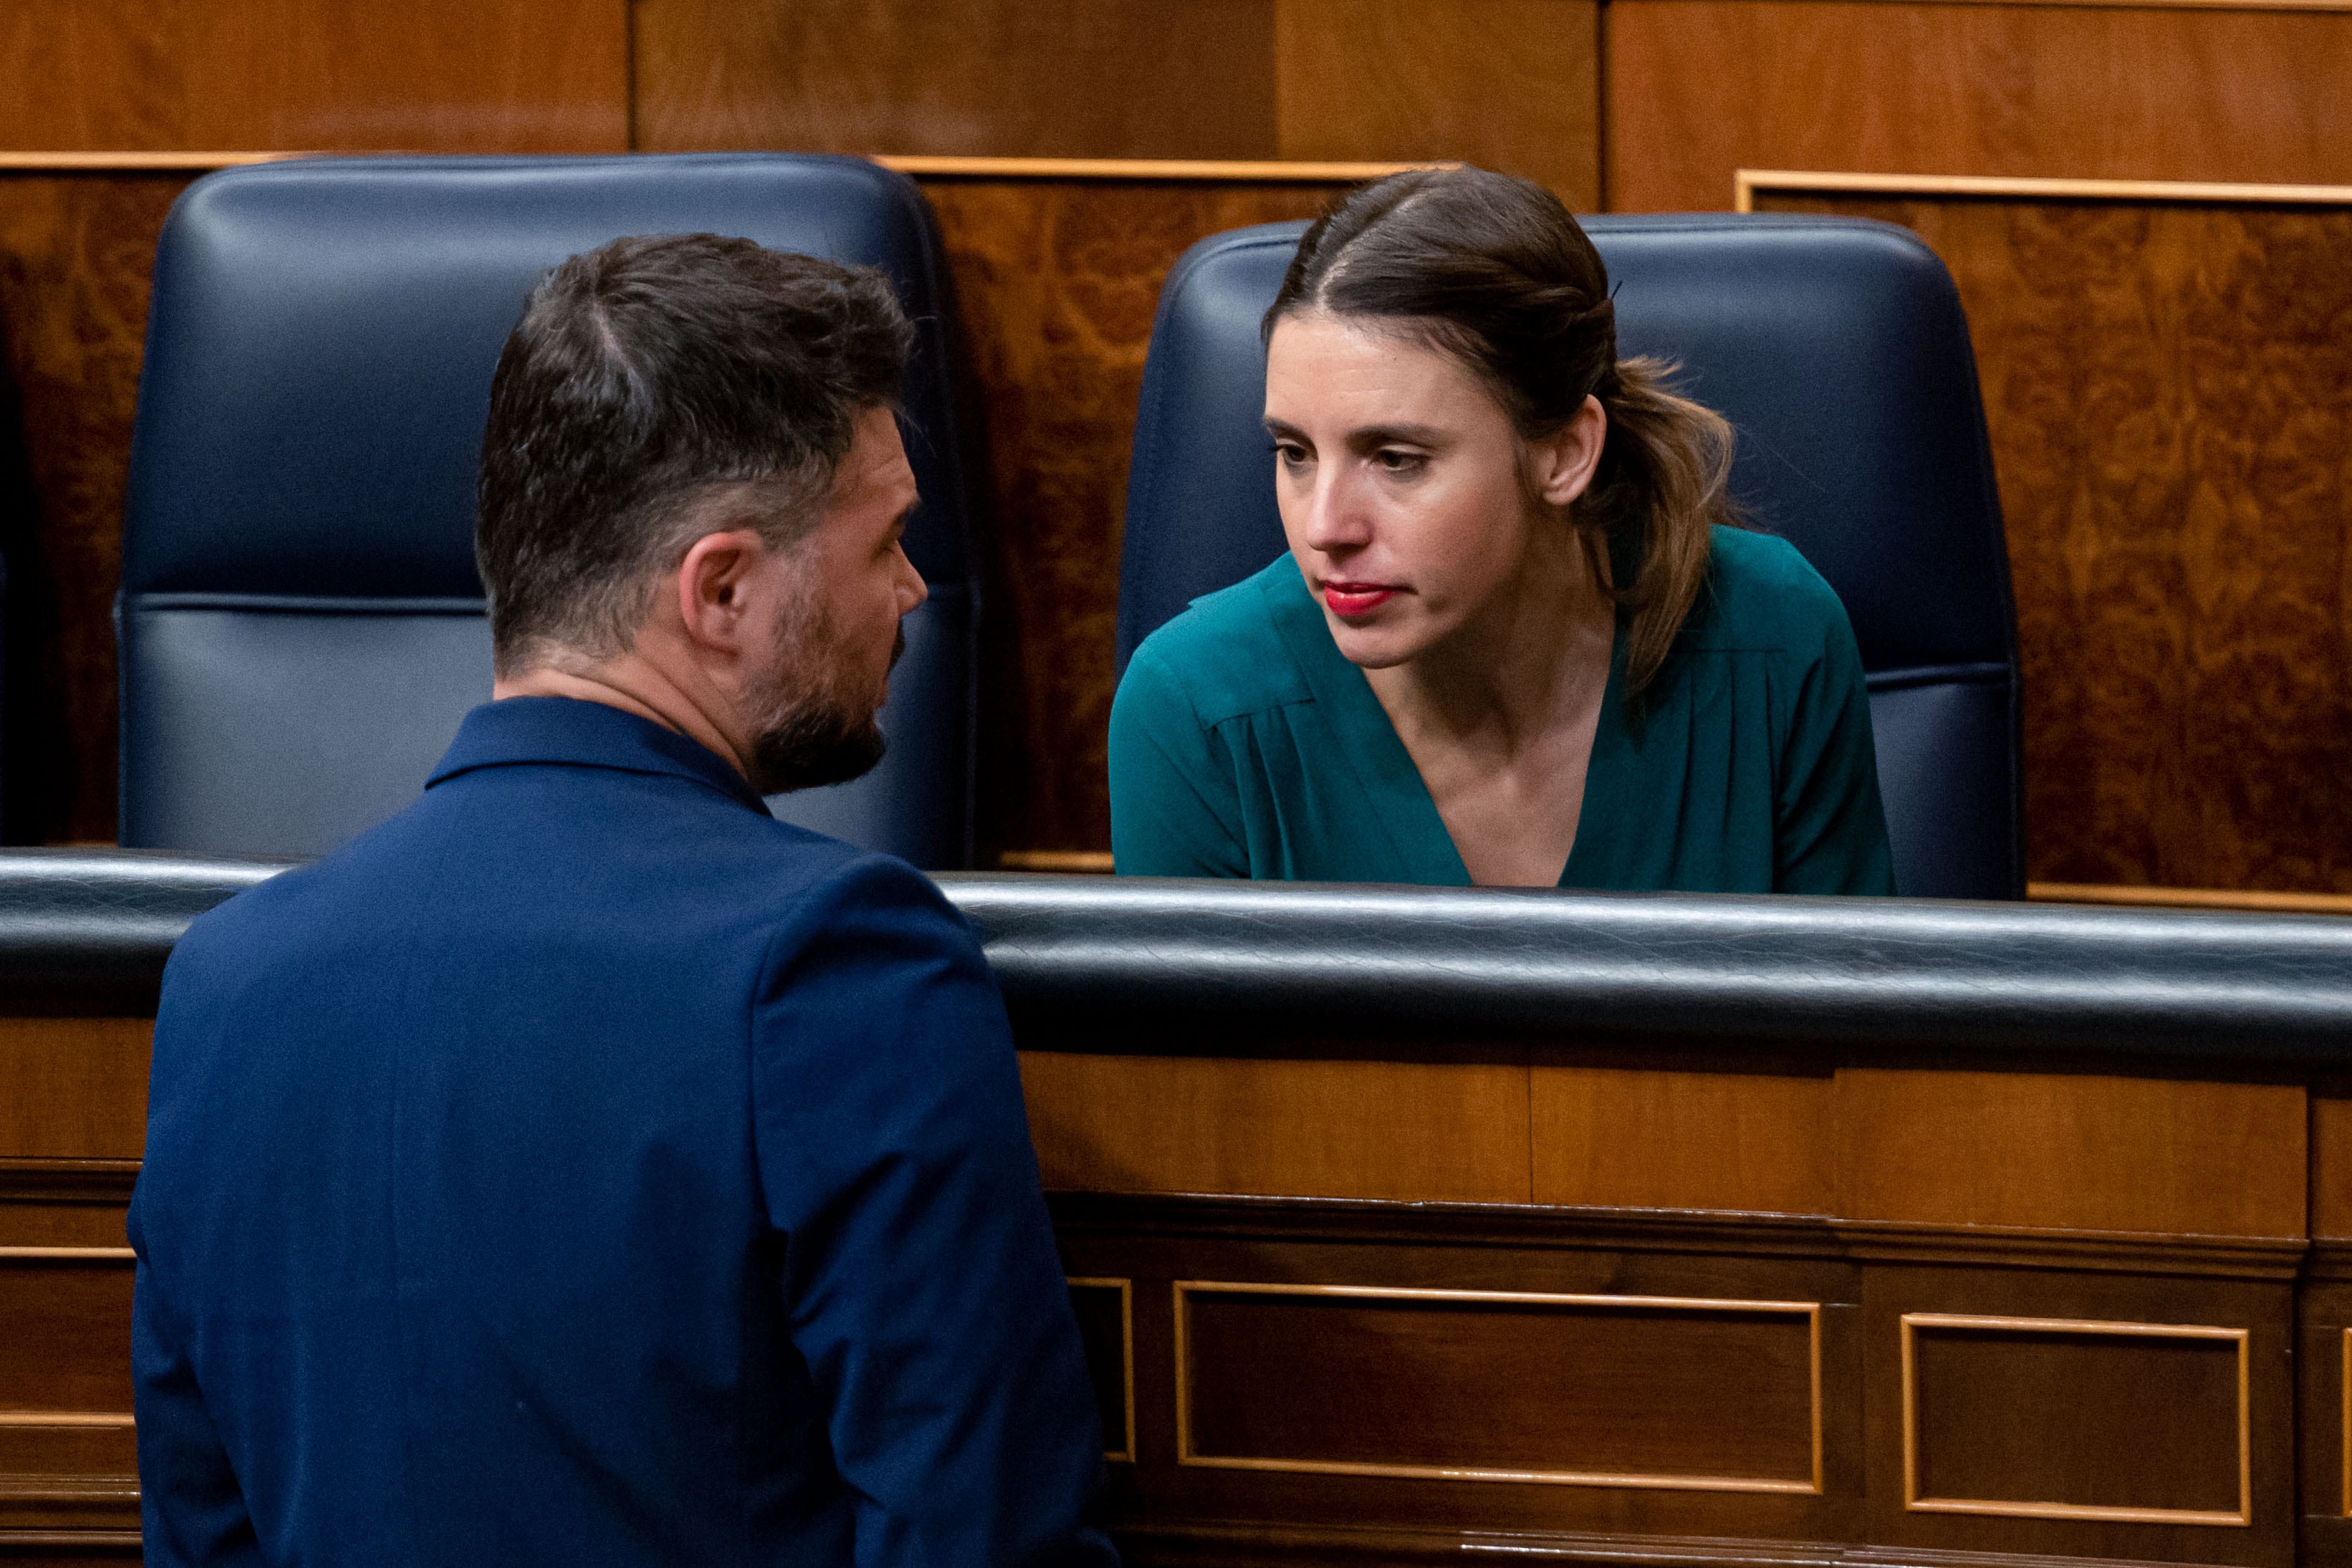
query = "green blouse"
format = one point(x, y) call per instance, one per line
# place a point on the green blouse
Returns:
point(1243, 745)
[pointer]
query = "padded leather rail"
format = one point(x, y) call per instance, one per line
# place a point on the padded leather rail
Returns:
point(88, 931)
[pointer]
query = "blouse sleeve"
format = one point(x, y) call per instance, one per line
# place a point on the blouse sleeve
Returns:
point(1831, 825)
point(1175, 810)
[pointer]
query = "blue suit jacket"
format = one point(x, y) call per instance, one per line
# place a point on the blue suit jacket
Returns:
point(584, 1168)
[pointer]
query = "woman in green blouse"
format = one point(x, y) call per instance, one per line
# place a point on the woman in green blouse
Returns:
point(1519, 637)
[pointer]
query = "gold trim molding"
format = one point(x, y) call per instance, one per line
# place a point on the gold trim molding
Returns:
point(1185, 1455)
point(917, 166)
point(1747, 183)
point(1126, 1289)
point(2088, 1328)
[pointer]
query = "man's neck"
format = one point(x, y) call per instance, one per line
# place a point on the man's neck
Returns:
point(633, 685)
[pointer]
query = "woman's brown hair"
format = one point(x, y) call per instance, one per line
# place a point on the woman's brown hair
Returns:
point(1492, 270)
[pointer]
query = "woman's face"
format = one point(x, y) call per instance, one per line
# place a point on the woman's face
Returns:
point(1399, 477)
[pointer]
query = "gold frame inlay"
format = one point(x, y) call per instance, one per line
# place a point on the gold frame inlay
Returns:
point(2086, 1328)
point(1810, 1310)
point(20, 1419)
point(1746, 183)
point(1126, 1289)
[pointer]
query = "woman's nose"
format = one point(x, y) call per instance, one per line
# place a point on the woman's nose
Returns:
point(1336, 518)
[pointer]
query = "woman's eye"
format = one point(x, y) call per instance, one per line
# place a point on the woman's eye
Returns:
point(1290, 454)
point(1397, 461)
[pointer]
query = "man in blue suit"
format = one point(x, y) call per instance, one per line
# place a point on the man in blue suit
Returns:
point(584, 1167)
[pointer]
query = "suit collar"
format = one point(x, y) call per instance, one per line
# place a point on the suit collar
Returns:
point(570, 732)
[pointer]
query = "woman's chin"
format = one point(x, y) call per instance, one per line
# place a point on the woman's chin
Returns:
point(1374, 647)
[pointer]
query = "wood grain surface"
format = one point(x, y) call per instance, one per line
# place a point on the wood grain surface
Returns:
point(2075, 1151)
point(1759, 1142)
point(1696, 88)
point(1419, 1132)
point(75, 254)
point(1705, 1398)
point(74, 1089)
point(2164, 383)
point(1511, 83)
point(2021, 1416)
point(1506, 84)
point(424, 76)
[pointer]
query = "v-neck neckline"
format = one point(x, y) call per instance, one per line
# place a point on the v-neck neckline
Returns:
point(1391, 781)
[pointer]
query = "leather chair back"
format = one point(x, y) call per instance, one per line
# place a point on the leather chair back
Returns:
point(1839, 350)
point(300, 623)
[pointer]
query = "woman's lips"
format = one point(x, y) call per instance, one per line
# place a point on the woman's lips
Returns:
point(1348, 600)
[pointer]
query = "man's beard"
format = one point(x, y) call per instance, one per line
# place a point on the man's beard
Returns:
point(816, 738)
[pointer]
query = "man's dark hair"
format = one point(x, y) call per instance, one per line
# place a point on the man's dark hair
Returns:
point(644, 376)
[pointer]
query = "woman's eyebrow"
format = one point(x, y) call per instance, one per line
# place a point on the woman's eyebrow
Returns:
point(1371, 435)
point(1283, 428)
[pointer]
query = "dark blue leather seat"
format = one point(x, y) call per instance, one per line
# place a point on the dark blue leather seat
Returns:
point(300, 623)
point(1840, 351)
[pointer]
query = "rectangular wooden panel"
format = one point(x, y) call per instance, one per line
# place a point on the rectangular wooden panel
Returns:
point(75, 252)
point(1489, 1386)
point(2070, 1152)
point(31, 1444)
point(1505, 84)
point(1696, 88)
point(2331, 1161)
point(2172, 480)
point(1427, 1131)
point(1105, 1314)
point(1046, 78)
point(441, 75)
point(1660, 1138)
point(2048, 1419)
point(64, 1336)
point(74, 1088)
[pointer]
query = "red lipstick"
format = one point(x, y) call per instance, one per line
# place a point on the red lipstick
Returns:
point(1348, 600)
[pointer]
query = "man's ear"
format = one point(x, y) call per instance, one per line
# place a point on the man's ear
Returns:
point(1566, 460)
point(714, 587)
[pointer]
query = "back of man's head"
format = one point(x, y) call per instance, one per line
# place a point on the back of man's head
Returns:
point(642, 376)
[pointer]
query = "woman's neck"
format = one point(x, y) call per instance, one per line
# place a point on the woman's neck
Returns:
point(1534, 658)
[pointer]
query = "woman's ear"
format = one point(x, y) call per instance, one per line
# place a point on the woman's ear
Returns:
point(1566, 460)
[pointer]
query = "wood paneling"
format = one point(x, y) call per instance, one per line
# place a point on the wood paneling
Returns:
point(1068, 78)
point(2028, 1415)
point(1506, 84)
point(1511, 83)
point(1429, 1132)
point(77, 1312)
point(2163, 385)
point(2076, 1152)
point(1750, 1141)
point(2331, 1160)
point(1641, 1393)
point(1104, 1311)
point(1696, 88)
point(428, 76)
point(1056, 281)
point(75, 254)
point(2044, 1424)
point(74, 1089)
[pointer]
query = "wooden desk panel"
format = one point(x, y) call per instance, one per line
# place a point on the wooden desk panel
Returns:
point(2082, 1152)
point(1415, 1131)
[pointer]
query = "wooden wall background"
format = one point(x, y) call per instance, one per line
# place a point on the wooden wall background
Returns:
point(2219, 780)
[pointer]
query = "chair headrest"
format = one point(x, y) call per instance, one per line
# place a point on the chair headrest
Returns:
point(320, 355)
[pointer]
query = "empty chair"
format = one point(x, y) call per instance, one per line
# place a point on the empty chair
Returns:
point(1839, 350)
point(300, 624)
